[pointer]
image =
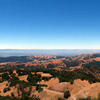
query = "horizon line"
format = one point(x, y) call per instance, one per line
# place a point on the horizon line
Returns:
point(50, 49)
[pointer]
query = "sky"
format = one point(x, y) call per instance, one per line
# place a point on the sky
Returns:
point(49, 24)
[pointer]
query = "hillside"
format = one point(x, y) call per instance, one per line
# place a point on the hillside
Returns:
point(50, 77)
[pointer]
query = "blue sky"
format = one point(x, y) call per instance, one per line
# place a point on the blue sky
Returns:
point(49, 24)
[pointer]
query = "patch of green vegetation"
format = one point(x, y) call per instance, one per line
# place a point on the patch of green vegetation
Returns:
point(7, 98)
point(63, 76)
point(33, 79)
point(61, 99)
point(70, 76)
point(72, 63)
point(5, 76)
point(39, 88)
point(24, 98)
point(22, 72)
point(67, 94)
point(92, 64)
point(50, 66)
point(46, 78)
point(6, 89)
point(89, 98)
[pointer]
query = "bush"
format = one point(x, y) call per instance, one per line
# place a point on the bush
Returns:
point(24, 98)
point(5, 76)
point(6, 89)
point(38, 88)
point(60, 99)
point(46, 78)
point(14, 80)
point(88, 98)
point(50, 66)
point(33, 79)
point(67, 94)
point(7, 98)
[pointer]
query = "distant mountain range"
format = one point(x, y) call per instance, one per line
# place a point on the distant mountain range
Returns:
point(46, 52)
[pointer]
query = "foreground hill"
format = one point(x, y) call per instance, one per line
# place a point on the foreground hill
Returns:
point(48, 85)
point(50, 77)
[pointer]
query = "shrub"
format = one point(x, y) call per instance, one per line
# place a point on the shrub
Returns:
point(38, 88)
point(60, 99)
point(33, 79)
point(46, 78)
point(50, 66)
point(88, 98)
point(5, 76)
point(6, 89)
point(67, 94)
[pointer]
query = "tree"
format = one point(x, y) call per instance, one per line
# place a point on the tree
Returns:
point(5, 76)
point(67, 94)
point(50, 66)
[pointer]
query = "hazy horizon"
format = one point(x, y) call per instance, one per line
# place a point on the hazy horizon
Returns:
point(46, 52)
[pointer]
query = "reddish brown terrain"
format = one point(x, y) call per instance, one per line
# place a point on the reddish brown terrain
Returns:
point(49, 77)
